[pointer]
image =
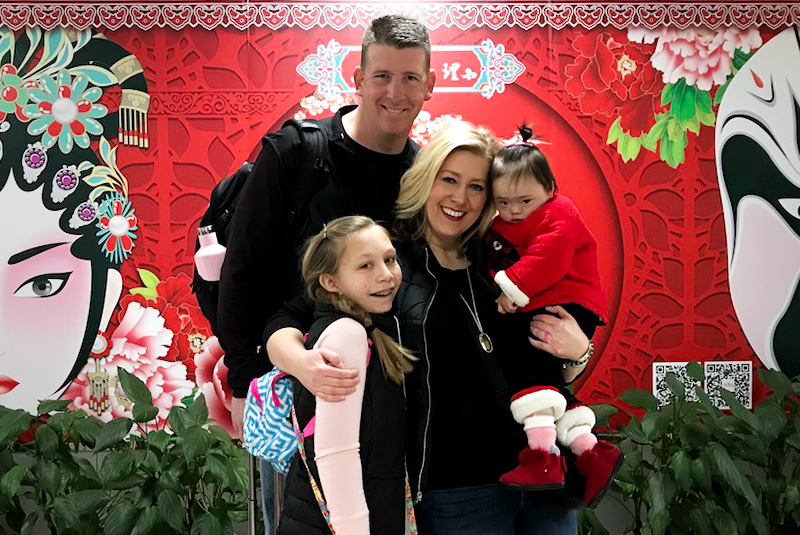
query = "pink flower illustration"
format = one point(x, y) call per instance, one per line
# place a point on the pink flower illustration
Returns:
point(212, 378)
point(701, 56)
point(138, 344)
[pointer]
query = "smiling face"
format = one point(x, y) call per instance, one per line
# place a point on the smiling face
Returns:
point(517, 199)
point(368, 272)
point(457, 198)
point(393, 85)
point(46, 297)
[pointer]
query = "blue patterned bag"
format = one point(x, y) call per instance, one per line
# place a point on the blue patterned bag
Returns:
point(269, 432)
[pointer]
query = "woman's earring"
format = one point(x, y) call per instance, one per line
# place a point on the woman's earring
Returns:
point(98, 379)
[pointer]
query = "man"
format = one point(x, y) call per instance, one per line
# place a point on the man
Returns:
point(369, 151)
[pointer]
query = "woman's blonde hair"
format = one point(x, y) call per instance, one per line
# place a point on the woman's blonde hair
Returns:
point(411, 222)
point(322, 256)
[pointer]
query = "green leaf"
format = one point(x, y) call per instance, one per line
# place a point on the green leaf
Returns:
point(195, 443)
point(640, 398)
point(49, 477)
point(47, 442)
point(740, 58)
point(30, 522)
point(60, 422)
point(684, 103)
point(112, 433)
point(658, 515)
point(672, 150)
point(724, 522)
point(692, 125)
point(701, 521)
point(168, 480)
point(695, 371)
point(198, 411)
point(739, 410)
point(777, 381)
point(701, 474)
point(667, 94)
point(12, 425)
point(117, 465)
point(681, 466)
point(134, 387)
point(614, 131)
point(172, 509)
point(628, 147)
point(704, 101)
point(771, 419)
point(731, 474)
point(179, 420)
point(98, 76)
point(52, 405)
point(220, 467)
point(159, 440)
point(206, 524)
point(86, 430)
point(148, 278)
point(144, 413)
point(675, 386)
point(760, 523)
point(707, 118)
point(11, 480)
point(120, 519)
point(721, 91)
point(147, 522)
point(602, 413)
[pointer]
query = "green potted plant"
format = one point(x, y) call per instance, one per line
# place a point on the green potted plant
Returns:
point(693, 468)
point(79, 475)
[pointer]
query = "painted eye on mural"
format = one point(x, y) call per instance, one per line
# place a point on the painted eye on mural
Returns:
point(43, 285)
point(792, 206)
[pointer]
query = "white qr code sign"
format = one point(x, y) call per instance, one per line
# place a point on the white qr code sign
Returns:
point(660, 389)
point(733, 376)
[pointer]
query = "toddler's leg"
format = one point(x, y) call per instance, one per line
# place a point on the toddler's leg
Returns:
point(597, 460)
point(540, 467)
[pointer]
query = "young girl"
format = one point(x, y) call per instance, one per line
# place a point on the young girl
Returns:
point(542, 254)
point(356, 452)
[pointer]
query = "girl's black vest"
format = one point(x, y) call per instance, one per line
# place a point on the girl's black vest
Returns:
point(382, 438)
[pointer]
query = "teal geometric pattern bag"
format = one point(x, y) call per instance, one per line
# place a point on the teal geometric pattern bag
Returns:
point(268, 431)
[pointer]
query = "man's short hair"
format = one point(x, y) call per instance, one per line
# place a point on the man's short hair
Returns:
point(396, 31)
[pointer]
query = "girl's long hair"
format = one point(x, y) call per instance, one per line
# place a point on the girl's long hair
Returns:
point(322, 255)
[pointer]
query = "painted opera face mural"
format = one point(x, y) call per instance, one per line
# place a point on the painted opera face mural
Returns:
point(758, 163)
point(69, 230)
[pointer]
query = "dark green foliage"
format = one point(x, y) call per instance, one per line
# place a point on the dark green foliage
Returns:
point(82, 476)
point(692, 468)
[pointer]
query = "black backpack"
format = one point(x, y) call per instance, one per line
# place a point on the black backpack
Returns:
point(312, 169)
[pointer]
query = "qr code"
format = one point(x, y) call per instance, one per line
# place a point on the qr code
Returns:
point(660, 389)
point(733, 376)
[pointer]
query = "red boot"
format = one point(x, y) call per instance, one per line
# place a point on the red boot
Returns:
point(599, 465)
point(537, 470)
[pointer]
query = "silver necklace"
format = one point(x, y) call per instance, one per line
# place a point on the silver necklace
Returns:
point(483, 338)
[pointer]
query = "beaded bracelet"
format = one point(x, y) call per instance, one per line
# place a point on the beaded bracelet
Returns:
point(581, 361)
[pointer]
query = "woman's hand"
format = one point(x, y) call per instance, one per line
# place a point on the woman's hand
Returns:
point(559, 335)
point(319, 370)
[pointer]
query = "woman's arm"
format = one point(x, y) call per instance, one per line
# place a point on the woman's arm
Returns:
point(562, 337)
point(337, 434)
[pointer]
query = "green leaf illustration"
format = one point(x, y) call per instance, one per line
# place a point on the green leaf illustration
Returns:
point(98, 76)
point(614, 131)
point(673, 146)
point(628, 147)
point(148, 291)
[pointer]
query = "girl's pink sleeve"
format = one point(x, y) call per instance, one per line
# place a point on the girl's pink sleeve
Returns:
point(336, 440)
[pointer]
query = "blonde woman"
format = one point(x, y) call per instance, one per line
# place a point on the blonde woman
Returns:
point(460, 437)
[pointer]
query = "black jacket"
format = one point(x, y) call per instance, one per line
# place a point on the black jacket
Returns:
point(382, 436)
point(261, 265)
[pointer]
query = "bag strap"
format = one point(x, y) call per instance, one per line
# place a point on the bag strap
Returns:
point(312, 168)
point(411, 519)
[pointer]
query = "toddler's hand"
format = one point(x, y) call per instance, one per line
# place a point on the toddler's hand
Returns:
point(505, 305)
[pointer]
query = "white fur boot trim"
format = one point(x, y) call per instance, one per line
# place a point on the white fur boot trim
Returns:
point(539, 420)
point(574, 422)
point(538, 401)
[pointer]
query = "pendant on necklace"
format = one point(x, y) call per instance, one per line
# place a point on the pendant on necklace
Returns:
point(486, 342)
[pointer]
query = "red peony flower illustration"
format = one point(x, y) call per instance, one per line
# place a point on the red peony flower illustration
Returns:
point(212, 379)
point(614, 77)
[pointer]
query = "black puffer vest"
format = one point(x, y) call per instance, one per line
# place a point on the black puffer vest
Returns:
point(382, 438)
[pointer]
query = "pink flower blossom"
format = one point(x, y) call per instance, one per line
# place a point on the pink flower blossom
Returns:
point(137, 344)
point(701, 56)
point(211, 375)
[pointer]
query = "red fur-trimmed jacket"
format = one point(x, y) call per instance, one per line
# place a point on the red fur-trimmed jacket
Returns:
point(549, 258)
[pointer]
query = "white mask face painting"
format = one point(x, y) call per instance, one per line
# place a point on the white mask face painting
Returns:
point(758, 165)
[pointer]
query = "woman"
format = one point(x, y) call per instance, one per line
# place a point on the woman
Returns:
point(460, 437)
point(64, 237)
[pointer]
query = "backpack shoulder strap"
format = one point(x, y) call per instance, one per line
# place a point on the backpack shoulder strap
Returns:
point(311, 170)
